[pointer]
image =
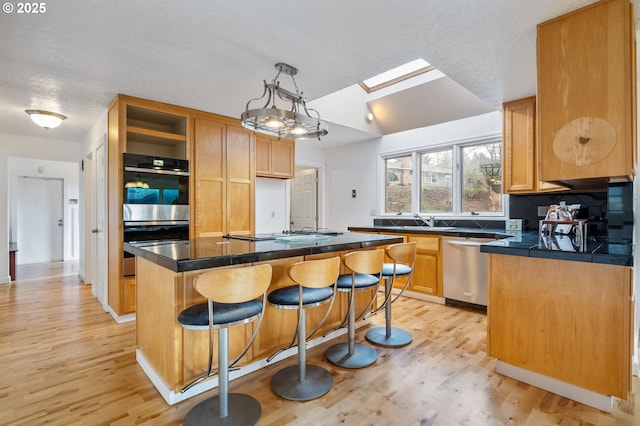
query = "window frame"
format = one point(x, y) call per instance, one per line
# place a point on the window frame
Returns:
point(457, 185)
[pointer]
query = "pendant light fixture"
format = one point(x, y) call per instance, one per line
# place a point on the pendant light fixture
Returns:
point(46, 119)
point(294, 120)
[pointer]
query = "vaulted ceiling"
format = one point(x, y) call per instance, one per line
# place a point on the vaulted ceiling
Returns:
point(213, 55)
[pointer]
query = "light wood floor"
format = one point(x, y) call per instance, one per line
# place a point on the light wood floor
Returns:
point(64, 361)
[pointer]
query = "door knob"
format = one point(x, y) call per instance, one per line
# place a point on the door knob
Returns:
point(94, 231)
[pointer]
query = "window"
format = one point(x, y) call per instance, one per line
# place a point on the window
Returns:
point(396, 75)
point(481, 177)
point(459, 179)
point(398, 180)
point(435, 186)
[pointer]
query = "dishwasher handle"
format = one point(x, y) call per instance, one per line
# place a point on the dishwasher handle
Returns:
point(467, 243)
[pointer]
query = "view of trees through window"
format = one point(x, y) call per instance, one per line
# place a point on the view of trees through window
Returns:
point(473, 187)
point(482, 177)
point(399, 173)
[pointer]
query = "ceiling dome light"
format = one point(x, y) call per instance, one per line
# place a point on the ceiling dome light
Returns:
point(295, 120)
point(45, 119)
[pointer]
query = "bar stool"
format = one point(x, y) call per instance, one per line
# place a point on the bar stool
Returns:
point(404, 257)
point(233, 298)
point(315, 285)
point(366, 267)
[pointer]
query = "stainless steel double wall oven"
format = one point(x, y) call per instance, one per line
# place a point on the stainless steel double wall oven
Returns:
point(155, 201)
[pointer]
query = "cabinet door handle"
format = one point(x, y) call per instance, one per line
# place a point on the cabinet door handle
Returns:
point(583, 140)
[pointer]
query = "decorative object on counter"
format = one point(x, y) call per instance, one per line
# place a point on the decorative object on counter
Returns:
point(315, 285)
point(296, 121)
point(366, 272)
point(559, 223)
point(404, 257)
point(234, 297)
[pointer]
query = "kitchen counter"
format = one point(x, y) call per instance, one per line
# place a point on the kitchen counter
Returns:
point(525, 243)
point(202, 253)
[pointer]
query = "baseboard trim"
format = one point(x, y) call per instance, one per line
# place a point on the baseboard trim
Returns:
point(121, 318)
point(581, 395)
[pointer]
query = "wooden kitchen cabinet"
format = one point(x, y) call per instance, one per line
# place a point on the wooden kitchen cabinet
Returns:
point(275, 158)
point(427, 273)
point(520, 158)
point(571, 321)
point(138, 126)
point(587, 95)
point(223, 177)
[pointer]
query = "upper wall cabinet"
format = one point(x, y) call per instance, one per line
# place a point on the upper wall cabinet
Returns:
point(520, 158)
point(587, 95)
point(275, 158)
point(519, 146)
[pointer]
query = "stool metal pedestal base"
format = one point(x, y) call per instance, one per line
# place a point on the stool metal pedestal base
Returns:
point(286, 383)
point(362, 355)
point(243, 410)
point(398, 337)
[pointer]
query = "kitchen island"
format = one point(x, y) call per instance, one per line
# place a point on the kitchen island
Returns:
point(171, 356)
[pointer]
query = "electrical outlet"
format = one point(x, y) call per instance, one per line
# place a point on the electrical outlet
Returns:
point(372, 212)
point(353, 193)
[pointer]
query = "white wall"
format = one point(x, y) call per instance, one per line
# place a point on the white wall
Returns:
point(272, 205)
point(25, 147)
point(355, 166)
point(93, 139)
point(68, 172)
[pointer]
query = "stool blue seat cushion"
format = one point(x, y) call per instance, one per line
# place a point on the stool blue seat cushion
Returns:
point(387, 270)
point(290, 296)
point(361, 281)
point(223, 313)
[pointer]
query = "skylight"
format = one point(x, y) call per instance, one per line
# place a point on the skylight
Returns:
point(396, 75)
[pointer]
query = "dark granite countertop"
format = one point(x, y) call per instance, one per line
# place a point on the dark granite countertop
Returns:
point(446, 231)
point(201, 253)
point(525, 243)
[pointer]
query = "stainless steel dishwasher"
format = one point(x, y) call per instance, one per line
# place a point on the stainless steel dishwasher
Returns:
point(464, 275)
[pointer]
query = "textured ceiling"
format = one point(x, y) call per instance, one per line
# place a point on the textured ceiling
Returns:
point(214, 55)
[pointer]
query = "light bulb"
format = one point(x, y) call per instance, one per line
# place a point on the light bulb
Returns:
point(274, 123)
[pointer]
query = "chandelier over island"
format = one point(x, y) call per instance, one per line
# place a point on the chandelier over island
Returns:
point(294, 120)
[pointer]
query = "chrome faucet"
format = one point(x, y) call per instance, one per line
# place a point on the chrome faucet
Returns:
point(430, 221)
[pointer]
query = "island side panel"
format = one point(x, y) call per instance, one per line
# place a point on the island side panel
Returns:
point(159, 336)
point(566, 320)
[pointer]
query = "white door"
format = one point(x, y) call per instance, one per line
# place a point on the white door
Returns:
point(304, 200)
point(100, 289)
point(40, 220)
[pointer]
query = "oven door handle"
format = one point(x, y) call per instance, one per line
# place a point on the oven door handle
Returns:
point(156, 171)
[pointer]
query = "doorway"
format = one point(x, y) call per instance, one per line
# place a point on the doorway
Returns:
point(40, 220)
point(304, 199)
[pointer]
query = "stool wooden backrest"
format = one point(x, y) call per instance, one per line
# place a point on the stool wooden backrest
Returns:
point(365, 261)
point(234, 285)
point(316, 273)
point(404, 253)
